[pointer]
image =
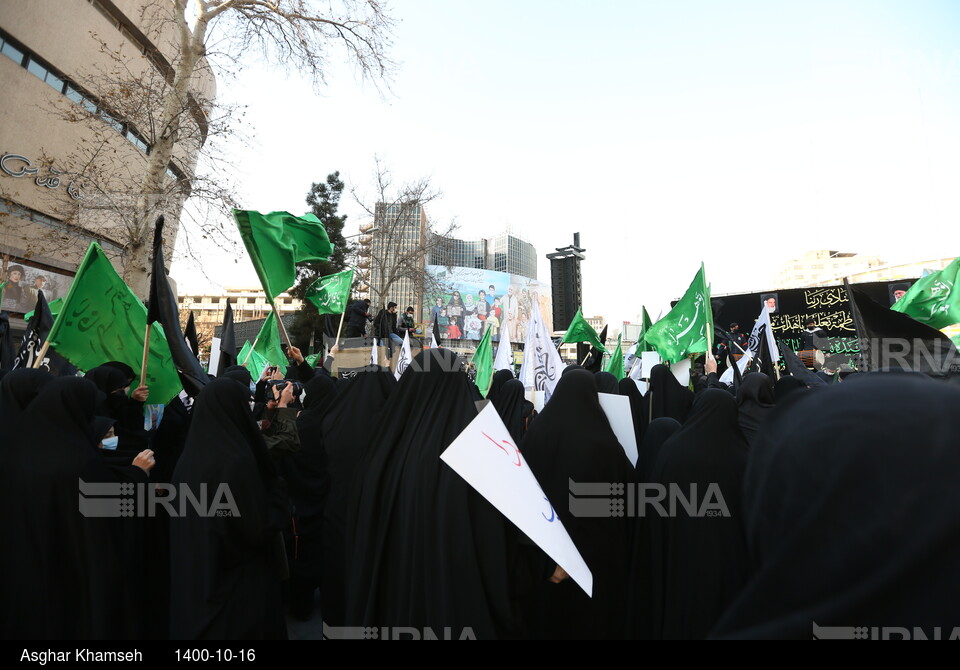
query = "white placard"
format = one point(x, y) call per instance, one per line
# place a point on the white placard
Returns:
point(648, 359)
point(487, 458)
point(620, 416)
point(213, 367)
point(681, 370)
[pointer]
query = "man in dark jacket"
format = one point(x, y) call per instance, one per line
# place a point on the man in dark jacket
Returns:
point(385, 328)
point(357, 316)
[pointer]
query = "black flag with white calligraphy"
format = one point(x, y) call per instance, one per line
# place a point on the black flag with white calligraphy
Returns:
point(37, 330)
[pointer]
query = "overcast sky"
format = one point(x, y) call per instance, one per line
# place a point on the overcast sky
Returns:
point(741, 134)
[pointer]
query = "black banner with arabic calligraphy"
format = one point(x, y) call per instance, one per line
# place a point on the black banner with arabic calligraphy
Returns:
point(827, 305)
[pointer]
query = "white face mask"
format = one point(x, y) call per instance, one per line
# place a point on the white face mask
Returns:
point(110, 442)
point(251, 405)
point(253, 388)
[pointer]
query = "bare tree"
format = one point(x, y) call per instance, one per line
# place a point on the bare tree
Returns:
point(398, 239)
point(164, 104)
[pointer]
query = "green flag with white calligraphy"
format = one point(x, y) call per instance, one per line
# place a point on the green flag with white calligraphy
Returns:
point(331, 293)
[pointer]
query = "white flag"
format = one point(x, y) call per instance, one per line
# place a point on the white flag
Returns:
point(405, 356)
point(542, 364)
point(487, 458)
point(761, 328)
point(504, 359)
point(374, 354)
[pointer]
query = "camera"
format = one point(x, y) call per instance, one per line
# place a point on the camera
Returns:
point(279, 384)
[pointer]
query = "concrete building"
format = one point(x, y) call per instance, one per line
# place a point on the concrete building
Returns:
point(248, 303)
point(393, 251)
point(887, 272)
point(69, 141)
point(506, 252)
point(823, 266)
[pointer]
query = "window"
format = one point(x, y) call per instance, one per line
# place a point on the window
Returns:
point(12, 52)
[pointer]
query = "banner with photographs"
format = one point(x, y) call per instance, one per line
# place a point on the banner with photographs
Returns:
point(467, 301)
point(24, 280)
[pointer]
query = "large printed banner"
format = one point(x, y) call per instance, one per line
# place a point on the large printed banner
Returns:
point(467, 301)
point(789, 310)
point(23, 283)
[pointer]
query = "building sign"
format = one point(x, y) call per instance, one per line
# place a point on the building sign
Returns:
point(18, 167)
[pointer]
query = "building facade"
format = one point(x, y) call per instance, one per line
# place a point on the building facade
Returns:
point(72, 144)
point(393, 252)
point(248, 304)
point(824, 267)
point(504, 253)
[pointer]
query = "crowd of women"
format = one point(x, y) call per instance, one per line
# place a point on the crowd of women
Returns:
point(837, 507)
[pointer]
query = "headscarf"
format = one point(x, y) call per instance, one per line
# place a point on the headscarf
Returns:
point(851, 518)
point(785, 386)
point(607, 382)
point(572, 440)
point(755, 401)
point(699, 562)
point(509, 403)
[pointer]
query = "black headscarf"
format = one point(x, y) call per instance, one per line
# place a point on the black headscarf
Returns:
point(60, 573)
point(699, 562)
point(510, 405)
point(572, 439)
point(851, 519)
point(785, 386)
point(627, 387)
point(666, 396)
point(17, 391)
point(424, 549)
point(238, 373)
point(346, 428)
point(225, 579)
point(500, 377)
point(755, 401)
point(607, 382)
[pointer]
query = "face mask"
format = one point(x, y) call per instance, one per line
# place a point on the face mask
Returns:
point(110, 442)
point(253, 388)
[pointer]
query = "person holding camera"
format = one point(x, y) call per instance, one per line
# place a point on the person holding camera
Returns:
point(279, 421)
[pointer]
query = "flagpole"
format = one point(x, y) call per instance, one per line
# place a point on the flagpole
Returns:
point(283, 329)
point(250, 353)
point(43, 352)
point(146, 355)
point(339, 329)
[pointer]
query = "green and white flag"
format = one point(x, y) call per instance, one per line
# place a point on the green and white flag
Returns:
point(581, 331)
point(102, 320)
point(330, 294)
point(266, 348)
point(934, 299)
point(688, 327)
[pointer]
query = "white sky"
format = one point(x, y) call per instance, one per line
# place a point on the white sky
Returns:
point(737, 133)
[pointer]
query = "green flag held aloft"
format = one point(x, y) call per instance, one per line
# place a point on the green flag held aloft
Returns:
point(615, 365)
point(642, 344)
point(934, 299)
point(278, 241)
point(268, 344)
point(330, 294)
point(252, 360)
point(102, 320)
point(688, 327)
point(483, 362)
point(581, 331)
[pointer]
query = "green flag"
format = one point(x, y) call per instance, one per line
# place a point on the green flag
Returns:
point(314, 359)
point(483, 362)
point(251, 360)
point(956, 340)
point(686, 328)
point(268, 343)
point(278, 241)
point(934, 299)
point(642, 344)
point(330, 294)
point(581, 331)
point(55, 308)
point(102, 320)
point(615, 365)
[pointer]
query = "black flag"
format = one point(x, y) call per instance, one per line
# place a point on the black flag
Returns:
point(893, 341)
point(163, 309)
point(796, 368)
point(436, 330)
point(37, 330)
point(228, 342)
point(594, 362)
point(190, 335)
point(6, 343)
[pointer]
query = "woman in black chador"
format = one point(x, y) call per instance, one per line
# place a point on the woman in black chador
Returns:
point(571, 439)
point(424, 549)
point(227, 567)
point(852, 519)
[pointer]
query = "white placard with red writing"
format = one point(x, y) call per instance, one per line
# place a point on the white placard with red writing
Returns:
point(489, 460)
